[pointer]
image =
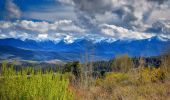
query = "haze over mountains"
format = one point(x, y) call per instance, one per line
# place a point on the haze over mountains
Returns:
point(80, 49)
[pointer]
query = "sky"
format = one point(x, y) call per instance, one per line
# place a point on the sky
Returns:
point(96, 20)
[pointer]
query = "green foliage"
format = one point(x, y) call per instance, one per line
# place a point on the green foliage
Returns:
point(30, 85)
point(74, 68)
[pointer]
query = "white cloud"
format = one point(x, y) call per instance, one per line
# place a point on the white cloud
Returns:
point(34, 26)
point(3, 36)
point(69, 39)
point(123, 33)
point(134, 14)
point(68, 31)
point(40, 30)
point(66, 26)
point(5, 25)
point(13, 34)
point(42, 36)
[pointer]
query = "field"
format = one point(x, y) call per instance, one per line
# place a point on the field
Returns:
point(75, 82)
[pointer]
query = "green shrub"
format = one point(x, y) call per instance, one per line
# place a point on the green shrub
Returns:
point(74, 68)
point(28, 85)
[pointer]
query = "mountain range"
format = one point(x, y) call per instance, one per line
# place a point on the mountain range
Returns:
point(80, 49)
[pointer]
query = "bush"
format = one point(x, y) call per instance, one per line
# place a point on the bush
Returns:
point(74, 68)
point(28, 85)
point(118, 77)
point(122, 64)
point(113, 79)
point(151, 75)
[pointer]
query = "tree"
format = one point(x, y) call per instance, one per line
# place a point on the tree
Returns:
point(122, 63)
point(74, 68)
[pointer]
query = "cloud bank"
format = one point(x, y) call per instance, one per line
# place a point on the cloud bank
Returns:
point(96, 20)
point(65, 30)
point(128, 12)
point(39, 30)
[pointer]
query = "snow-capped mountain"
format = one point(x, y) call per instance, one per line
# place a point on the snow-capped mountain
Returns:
point(103, 50)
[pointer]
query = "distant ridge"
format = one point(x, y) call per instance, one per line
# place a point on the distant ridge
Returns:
point(103, 50)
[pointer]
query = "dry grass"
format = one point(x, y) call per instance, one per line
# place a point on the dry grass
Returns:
point(124, 86)
point(140, 83)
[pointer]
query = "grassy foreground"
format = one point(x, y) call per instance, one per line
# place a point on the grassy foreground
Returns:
point(27, 84)
point(143, 85)
point(124, 82)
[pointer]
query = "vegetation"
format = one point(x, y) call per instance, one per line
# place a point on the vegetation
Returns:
point(122, 63)
point(125, 79)
point(74, 68)
point(28, 84)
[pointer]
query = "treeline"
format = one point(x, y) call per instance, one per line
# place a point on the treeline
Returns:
point(116, 64)
point(125, 60)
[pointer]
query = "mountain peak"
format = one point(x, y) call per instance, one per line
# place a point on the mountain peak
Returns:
point(101, 50)
point(159, 38)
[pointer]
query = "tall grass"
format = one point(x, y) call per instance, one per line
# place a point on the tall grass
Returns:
point(28, 84)
point(124, 82)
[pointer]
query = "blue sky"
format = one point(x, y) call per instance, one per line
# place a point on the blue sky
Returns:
point(91, 19)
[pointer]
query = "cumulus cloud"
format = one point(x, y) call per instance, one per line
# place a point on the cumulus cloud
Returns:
point(95, 19)
point(25, 29)
point(43, 27)
point(160, 27)
point(65, 30)
point(122, 33)
point(42, 36)
point(12, 9)
point(131, 14)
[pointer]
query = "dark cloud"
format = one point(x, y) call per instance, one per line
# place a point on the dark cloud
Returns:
point(159, 1)
point(93, 6)
point(126, 13)
point(129, 13)
point(87, 11)
point(160, 27)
